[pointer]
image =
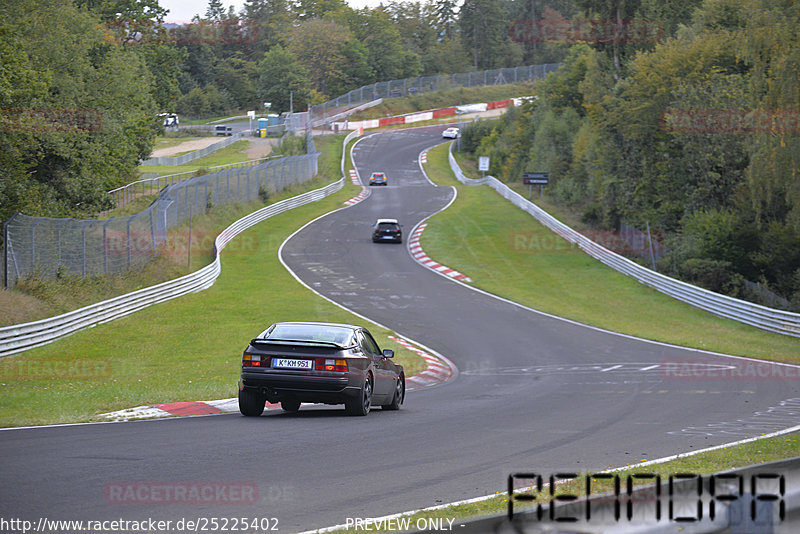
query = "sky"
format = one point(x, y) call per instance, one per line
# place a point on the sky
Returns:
point(184, 10)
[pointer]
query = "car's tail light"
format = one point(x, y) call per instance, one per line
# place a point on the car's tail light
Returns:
point(255, 360)
point(328, 364)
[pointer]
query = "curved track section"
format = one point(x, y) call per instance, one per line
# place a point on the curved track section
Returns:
point(534, 393)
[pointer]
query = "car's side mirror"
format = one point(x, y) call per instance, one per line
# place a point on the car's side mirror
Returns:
point(388, 353)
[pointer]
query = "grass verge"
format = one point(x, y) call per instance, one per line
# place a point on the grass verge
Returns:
point(188, 348)
point(506, 252)
point(233, 153)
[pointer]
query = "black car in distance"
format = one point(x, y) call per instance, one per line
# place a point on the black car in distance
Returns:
point(378, 178)
point(387, 230)
point(329, 363)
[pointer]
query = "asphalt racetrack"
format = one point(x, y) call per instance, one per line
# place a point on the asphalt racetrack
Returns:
point(533, 394)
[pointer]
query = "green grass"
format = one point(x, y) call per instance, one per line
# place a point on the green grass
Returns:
point(168, 142)
point(188, 348)
point(506, 252)
point(233, 153)
point(438, 99)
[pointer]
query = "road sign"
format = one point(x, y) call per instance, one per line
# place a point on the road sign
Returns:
point(536, 178)
point(483, 163)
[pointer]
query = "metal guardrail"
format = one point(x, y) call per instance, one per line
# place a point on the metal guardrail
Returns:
point(782, 322)
point(21, 337)
point(762, 499)
point(195, 154)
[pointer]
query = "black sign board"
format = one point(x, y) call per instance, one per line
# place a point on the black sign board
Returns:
point(535, 178)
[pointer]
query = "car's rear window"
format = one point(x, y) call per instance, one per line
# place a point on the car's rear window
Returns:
point(387, 226)
point(330, 334)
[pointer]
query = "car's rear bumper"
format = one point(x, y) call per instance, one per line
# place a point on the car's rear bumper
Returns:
point(305, 388)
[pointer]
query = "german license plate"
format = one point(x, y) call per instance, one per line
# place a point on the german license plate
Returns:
point(287, 363)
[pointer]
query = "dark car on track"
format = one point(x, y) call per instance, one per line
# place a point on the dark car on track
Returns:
point(387, 230)
point(327, 363)
point(378, 178)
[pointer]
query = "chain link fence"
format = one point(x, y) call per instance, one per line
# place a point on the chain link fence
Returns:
point(49, 247)
point(329, 110)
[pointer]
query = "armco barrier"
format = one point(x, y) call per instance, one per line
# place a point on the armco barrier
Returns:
point(779, 321)
point(18, 338)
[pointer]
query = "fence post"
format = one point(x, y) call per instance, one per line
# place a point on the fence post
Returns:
point(83, 247)
point(152, 229)
point(5, 250)
point(33, 244)
point(129, 241)
point(105, 246)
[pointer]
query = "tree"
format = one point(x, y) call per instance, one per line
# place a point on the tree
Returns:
point(92, 123)
point(447, 18)
point(215, 10)
point(484, 29)
point(281, 79)
point(322, 57)
point(267, 19)
point(311, 9)
point(387, 57)
point(129, 20)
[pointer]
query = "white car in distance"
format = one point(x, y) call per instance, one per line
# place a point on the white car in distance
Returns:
point(452, 133)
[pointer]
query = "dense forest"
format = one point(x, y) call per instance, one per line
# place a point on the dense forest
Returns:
point(696, 134)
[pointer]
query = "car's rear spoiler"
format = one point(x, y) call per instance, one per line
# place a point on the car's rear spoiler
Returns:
point(331, 344)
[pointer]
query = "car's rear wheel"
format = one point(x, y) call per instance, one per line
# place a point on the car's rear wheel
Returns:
point(290, 405)
point(251, 402)
point(360, 405)
point(399, 395)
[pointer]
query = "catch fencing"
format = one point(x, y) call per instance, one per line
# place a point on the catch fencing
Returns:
point(50, 247)
point(779, 321)
point(328, 111)
point(196, 154)
point(150, 186)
